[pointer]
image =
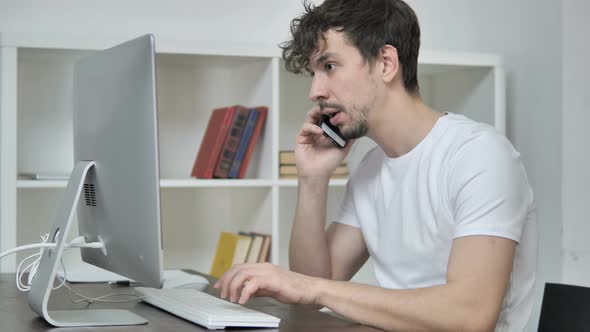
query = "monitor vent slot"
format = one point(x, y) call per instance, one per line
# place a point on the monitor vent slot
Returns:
point(89, 194)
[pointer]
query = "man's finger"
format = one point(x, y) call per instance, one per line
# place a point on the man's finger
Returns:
point(250, 288)
point(237, 283)
point(314, 115)
point(309, 133)
point(227, 278)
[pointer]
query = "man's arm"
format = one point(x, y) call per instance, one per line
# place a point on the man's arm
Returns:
point(477, 278)
point(338, 252)
point(308, 247)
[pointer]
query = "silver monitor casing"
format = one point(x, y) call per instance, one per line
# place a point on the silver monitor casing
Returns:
point(115, 182)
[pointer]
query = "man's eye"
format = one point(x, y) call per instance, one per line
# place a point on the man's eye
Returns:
point(330, 66)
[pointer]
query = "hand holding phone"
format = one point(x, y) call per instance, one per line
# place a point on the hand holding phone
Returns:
point(332, 132)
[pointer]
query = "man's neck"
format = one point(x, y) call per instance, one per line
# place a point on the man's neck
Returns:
point(401, 123)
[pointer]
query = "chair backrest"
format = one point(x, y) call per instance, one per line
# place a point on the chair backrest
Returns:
point(565, 308)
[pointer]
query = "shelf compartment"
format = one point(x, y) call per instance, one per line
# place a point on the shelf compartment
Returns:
point(193, 218)
point(189, 88)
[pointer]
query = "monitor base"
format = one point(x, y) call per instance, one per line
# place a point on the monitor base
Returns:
point(106, 317)
point(42, 284)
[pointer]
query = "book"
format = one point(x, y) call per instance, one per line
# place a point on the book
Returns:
point(291, 170)
point(287, 157)
point(234, 171)
point(232, 140)
point(231, 249)
point(264, 255)
point(259, 251)
point(242, 248)
point(255, 248)
point(212, 142)
point(262, 114)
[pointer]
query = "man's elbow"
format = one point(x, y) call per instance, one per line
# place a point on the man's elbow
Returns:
point(480, 318)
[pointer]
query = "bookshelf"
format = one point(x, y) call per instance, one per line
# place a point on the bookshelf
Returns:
point(193, 78)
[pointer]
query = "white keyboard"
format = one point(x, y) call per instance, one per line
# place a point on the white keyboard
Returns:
point(205, 309)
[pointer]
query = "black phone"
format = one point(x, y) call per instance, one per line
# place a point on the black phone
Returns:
point(331, 131)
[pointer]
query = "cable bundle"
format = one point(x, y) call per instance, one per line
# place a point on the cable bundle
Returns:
point(32, 267)
point(34, 260)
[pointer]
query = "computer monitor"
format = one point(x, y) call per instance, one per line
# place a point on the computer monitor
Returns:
point(114, 186)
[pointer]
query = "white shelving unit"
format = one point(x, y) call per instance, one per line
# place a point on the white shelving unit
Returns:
point(193, 78)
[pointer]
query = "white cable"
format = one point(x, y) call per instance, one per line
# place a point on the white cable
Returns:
point(25, 286)
point(90, 300)
point(28, 246)
point(22, 286)
point(44, 239)
point(63, 280)
point(78, 242)
point(84, 298)
point(100, 298)
point(73, 244)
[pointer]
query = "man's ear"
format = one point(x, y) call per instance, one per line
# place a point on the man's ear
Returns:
point(390, 63)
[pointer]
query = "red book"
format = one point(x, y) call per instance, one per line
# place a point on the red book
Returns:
point(219, 123)
point(232, 140)
point(262, 110)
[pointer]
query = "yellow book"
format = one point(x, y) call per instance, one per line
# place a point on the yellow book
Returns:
point(230, 250)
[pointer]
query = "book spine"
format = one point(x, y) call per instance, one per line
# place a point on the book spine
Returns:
point(291, 170)
point(257, 131)
point(224, 254)
point(234, 172)
point(265, 250)
point(231, 143)
point(212, 142)
point(287, 157)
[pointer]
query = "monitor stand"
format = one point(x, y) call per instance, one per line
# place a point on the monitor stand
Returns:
point(42, 283)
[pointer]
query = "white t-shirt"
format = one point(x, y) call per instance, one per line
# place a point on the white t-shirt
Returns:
point(463, 179)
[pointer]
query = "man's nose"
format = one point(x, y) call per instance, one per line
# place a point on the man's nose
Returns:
point(318, 89)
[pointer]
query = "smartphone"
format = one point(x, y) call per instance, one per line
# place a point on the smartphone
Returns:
point(331, 131)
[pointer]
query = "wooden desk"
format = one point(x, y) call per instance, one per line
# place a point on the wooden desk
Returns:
point(15, 314)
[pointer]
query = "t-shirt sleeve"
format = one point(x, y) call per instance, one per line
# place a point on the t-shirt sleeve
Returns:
point(358, 192)
point(488, 189)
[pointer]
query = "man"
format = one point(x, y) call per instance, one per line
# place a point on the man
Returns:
point(442, 205)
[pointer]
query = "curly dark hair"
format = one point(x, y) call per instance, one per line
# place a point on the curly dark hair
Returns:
point(367, 24)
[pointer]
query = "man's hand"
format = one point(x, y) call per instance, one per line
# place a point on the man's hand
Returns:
point(243, 281)
point(315, 154)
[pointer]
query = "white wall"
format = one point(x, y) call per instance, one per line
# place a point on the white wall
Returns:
point(528, 33)
point(225, 20)
point(576, 142)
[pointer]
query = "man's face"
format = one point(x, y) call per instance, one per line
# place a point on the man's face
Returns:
point(343, 85)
